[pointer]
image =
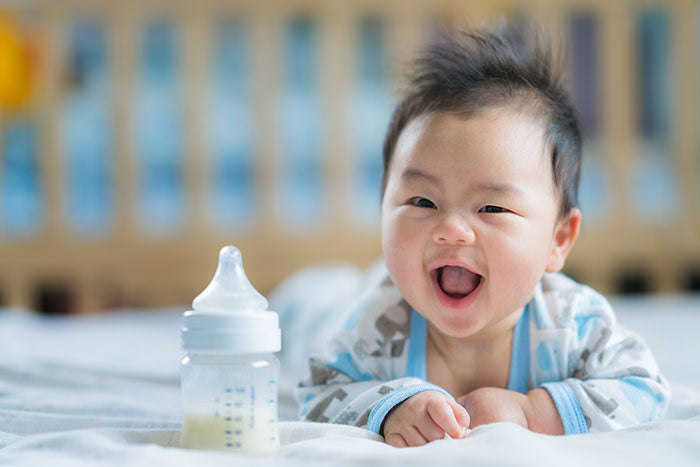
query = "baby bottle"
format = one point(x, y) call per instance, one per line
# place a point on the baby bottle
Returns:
point(229, 374)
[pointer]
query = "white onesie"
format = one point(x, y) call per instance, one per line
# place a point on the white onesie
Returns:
point(600, 376)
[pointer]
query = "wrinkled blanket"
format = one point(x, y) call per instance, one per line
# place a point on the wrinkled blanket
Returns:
point(104, 390)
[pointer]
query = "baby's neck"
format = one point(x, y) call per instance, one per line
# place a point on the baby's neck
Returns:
point(462, 365)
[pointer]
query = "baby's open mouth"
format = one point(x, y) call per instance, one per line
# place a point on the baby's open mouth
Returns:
point(456, 281)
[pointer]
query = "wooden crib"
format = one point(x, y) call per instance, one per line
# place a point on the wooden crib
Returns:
point(53, 270)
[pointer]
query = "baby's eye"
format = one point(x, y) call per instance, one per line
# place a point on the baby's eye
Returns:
point(422, 202)
point(493, 209)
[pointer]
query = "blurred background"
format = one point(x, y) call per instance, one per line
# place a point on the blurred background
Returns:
point(137, 138)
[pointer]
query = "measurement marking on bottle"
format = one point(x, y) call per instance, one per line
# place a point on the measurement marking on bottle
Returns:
point(229, 441)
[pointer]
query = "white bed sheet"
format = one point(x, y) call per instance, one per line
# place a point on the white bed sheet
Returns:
point(104, 390)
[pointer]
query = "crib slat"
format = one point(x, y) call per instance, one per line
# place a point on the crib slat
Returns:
point(686, 19)
point(195, 66)
point(51, 166)
point(123, 50)
point(336, 70)
point(266, 59)
point(618, 97)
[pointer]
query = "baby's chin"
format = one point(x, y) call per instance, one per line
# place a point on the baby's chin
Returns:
point(456, 327)
point(472, 327)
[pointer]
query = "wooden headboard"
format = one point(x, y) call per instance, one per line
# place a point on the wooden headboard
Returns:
point(53, 269)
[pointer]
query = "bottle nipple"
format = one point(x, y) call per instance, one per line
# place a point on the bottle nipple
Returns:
point(229, 290)
point(230, 315)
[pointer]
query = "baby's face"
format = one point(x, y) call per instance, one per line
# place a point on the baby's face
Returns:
point(469, 218)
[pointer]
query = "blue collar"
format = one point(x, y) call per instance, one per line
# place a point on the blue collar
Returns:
point(519, 361)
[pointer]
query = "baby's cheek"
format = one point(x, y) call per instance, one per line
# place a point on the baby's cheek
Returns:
point(401, 273)
point(392, 260)
point(399, 255)
point(518, 275)
point(405, 274)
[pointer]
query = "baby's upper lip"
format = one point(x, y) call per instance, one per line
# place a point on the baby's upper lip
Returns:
point(435, 265)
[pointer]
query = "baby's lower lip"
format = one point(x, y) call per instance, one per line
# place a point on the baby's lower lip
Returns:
point(452, 302)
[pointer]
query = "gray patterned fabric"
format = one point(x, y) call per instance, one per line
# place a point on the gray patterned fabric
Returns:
point(601, 376)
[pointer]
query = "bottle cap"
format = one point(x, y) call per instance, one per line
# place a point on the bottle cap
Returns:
point(230, 315)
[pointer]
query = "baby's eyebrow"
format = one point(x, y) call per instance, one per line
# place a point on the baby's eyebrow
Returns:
point(505, 189)
point(502, 188)
point(411, 173)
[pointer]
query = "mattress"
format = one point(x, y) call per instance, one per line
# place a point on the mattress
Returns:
point(104, 390)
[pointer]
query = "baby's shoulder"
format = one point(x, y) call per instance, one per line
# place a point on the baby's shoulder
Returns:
point(379, 310)
point(562, 303)
point(376, 331)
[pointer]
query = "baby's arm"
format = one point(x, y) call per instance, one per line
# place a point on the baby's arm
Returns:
point(616, 384)
point(600, 376)
point(352, 397)
point(354, 384)
point(425, 417)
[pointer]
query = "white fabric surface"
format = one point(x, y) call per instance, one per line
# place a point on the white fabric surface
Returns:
point(671, 442)
point(104, 390)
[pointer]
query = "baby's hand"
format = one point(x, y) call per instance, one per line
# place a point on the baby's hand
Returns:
point(423, 418)
point(535, 410)
point(490, 405)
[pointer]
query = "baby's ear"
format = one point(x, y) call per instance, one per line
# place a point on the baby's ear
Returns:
point(565, 235)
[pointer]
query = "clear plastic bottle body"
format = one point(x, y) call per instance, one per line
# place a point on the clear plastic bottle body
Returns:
point(230, 402)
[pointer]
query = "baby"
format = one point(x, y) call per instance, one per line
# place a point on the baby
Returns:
point(473, 323)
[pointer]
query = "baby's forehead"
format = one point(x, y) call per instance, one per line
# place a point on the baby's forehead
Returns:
point(497, 147)
point(515, 124)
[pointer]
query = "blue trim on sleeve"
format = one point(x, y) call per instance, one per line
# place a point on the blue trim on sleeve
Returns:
point(415, 359)
point(394, 398)
point(520, 357)
point(568, 407)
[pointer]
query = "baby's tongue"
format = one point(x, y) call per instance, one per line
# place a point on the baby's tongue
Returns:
point(455, 280)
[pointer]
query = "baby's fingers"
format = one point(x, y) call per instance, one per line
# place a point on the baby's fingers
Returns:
point(443, 415)
point(429, 429)
point(461, 414)
point(396, 440)
point(413, 436)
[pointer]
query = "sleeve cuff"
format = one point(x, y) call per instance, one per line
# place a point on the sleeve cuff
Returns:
point(394, 398)
point(568, 407)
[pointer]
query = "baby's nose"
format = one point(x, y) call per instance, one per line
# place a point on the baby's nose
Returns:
point(454, 230)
